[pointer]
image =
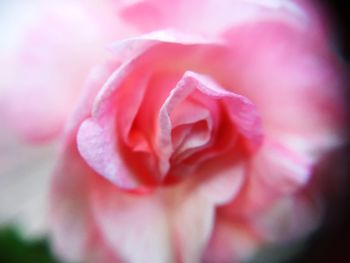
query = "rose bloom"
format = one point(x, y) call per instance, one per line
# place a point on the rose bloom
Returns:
point(197, 142)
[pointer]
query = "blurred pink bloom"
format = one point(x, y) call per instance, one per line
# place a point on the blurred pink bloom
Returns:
point(194, 141)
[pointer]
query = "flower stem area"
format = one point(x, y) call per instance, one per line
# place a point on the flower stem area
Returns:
point(15, 249)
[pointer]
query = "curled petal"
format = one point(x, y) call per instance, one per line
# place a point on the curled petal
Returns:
point(98, 149)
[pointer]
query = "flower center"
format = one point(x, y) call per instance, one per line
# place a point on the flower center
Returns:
point(154, 139)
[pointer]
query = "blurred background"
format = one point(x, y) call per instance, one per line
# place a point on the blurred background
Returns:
point(23, 195)
point(331, 242)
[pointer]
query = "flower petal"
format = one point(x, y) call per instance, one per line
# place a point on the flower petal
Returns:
point(288, 87)
point(274, 171)
point(224, 185)
point(159, 222)
point(96, 135)
point(69, 216)
point(48, 57)
point(241, 110)
point(289, 218)
point(192, 217)
point(207, 16)
point(231, 242)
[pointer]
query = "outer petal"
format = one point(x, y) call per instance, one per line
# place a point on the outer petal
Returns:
point(231, 242)
point(47, 58)
point(208, 16)
point(281, 168)
point(275, 171)
point(75, 236)
point(153, 227)
point(296, 85)
point(193, 216)
point(127, 220)
point(70, 219)
point(225, 185)
point(289, 218)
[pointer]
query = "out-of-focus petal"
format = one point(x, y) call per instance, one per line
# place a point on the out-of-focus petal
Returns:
point(273, 172)
point(208, 16)
point(279, 69)
point(70, 213)
point(70, 218)
point(75, 235)
point(159, 223)
point(47, 60)
point(231, 242)
point(281, 168)
point(289, 218)
point(192, 216)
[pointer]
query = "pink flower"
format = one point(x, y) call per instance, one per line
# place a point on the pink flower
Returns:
point(196, 144)
point(195, 141)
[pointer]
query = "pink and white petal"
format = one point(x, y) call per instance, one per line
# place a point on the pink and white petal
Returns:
point(192, 209)
point(94, 81)
point(47, 61)
point(209, 16)
point(134, 226)
point(70, 218)
point(163, 139)
point(224, 186)
point(148, 15)
point(99, 149)
point(281, 168)
point(127, 86)
point(275, 171)
point(240, 109)
point(191, 217)
point(75, 237)
point(130, 48)
point(97, 134)
point(300, 78)
point(231, 242)
point(159, 222)
point(71, 224)
point(98, 250)
point(289, 218)
point(183, 125)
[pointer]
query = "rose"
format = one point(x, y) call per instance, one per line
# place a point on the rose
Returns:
point(235, 211)
point(47, 49)
point(198, 146)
